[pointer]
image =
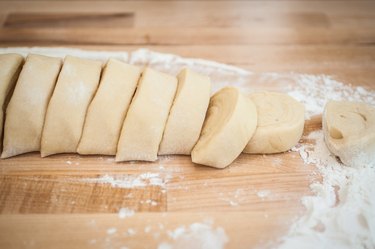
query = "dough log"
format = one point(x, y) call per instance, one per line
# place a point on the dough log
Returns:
point(349, 131)
point(107, 110)
point(67, 109)
point(145, 121)
point(187, 113)
point(27, 108)
point(230, 123)
point(280, 123)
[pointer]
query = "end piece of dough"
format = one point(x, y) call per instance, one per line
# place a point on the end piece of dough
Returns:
point(349, 131)
point(187, 114)
point(280, 125)
point(10, 67)
point(67, 109)
point(107, 110)
point(230, 123)
point(145, 121)
point(27, 108)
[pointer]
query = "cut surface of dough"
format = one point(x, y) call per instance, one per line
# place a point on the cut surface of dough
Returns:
point(27, 108)
point(280, 123)
point(187, 113)
point(75, 88)
point(230, 123)
point(107, 110)
point(144, 123)
point(10, 67)
point(349, 131)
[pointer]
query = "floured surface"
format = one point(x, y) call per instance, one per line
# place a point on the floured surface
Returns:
point(256, 199)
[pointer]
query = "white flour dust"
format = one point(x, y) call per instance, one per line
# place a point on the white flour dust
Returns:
point(197, 235)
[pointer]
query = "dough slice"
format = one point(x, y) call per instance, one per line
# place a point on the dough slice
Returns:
point(187, 114)
point(106, 113)
point(280, 123)
point(66, 111)
point(230, 123)
point(10, 67)
point(27, 108)
point(349, 131)
point(145, 121)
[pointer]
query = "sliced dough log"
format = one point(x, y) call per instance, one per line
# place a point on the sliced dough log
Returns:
point(107, 110)
point(230, 123)
point(349, 131)
point(27, 108)
point(66, 111)
point(145, 121)
point(280, 123)
point(10, 67)
point(187, 113)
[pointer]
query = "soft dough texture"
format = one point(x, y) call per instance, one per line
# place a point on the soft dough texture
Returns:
point(145, 121)
point(66, 111)
point(349, 131)
point(107, 110)
point(231, 121)
point(10, 67)
point(280, 123)
point(187, 113)
point(27, 108)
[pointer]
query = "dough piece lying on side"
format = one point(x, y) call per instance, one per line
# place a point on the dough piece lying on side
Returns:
point(27, 108)
point(145, 121)
point(66, 111)
point(10, 67)
point(230, 123)
point(107, 110)
point(280, 123)
point(349, 131)
point(187, 114)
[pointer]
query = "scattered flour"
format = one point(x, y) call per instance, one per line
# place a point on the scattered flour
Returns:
point(111, 230)
point(197, 235)
point(131, 181)
point(125, 212)
point(263, 193)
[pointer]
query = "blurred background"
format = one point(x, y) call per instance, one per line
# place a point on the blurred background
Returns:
point(330, 37)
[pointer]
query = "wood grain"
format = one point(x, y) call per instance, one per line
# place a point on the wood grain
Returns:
point(56, 202)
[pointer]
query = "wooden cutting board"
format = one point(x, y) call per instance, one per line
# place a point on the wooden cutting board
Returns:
point(58, 202)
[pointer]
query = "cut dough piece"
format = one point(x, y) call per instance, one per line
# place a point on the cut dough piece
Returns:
point(280, 123)
point(187, 113)
point(145, 121)
point(230, 123)
point(349, 131)
point(66, 111)
point(10, 67)
point(107, 110)
point(27, 108)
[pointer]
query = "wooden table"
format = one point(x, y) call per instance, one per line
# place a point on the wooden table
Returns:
point(52, 202)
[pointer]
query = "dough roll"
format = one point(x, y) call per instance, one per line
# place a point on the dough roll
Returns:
point(187, 114)
point(27, 108)
point(230, 123)
point(107, 110)
point(66, 111)
point(145, 121)
point(280, 126)
point(349, 131)
point(10, 67)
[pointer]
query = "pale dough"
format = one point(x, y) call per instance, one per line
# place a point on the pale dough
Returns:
point(280, 123)
point(349, 131)
point(75, 88)
point(187, 114)
point(107, 111)
point(230, 123)
point(145, 121)
point(27, 108)
point(10, 67)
